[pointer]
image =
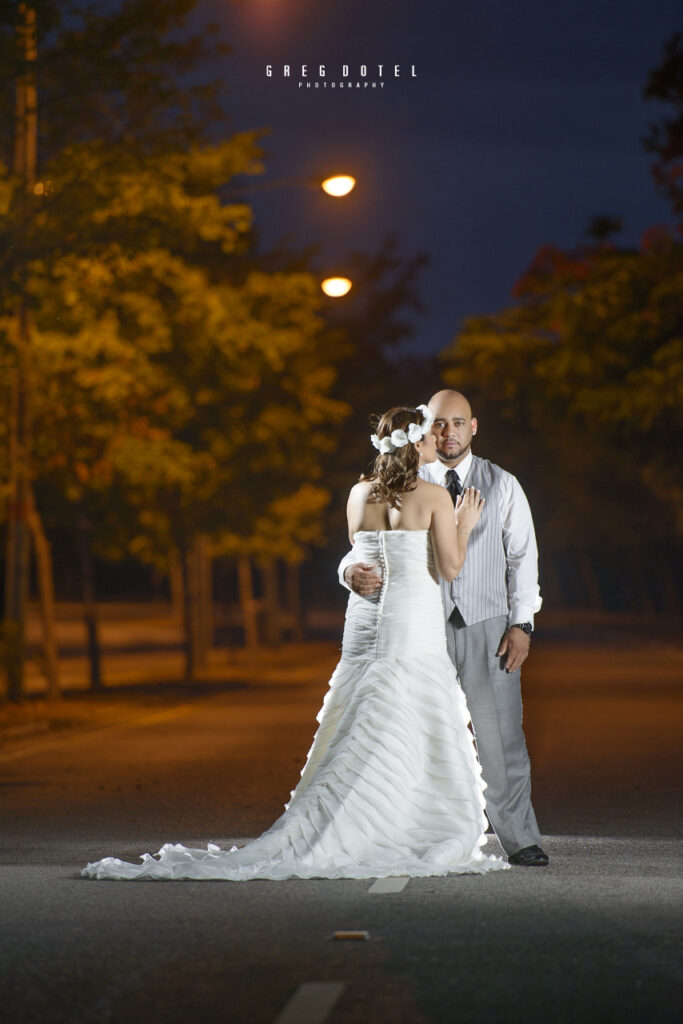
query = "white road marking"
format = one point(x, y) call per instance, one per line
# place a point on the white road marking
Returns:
point(311, 1003)
point(395, 883)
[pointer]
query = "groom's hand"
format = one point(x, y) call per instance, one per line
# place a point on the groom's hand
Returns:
point(514, 647)
point(363, 578)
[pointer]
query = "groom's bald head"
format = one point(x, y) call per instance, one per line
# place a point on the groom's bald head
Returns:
point(447, 400)
point(454, 425)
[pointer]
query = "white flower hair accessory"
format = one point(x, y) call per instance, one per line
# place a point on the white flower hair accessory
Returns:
point(400, 438)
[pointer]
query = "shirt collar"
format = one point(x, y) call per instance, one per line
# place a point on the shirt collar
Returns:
point(439, 469)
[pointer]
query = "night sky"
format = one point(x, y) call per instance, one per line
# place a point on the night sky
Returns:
point(523, 123)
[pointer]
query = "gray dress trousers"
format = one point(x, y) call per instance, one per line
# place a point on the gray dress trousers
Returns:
point(494, 698)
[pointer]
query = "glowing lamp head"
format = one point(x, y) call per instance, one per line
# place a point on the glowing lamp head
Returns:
point(335, 287)
point(339, 185)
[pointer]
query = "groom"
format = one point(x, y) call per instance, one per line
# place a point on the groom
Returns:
point(489, 610)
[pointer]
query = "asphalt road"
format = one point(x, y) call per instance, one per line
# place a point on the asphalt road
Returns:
point(594, 937)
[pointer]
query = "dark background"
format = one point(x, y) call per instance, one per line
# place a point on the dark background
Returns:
point(523, 125)
point(524, 122)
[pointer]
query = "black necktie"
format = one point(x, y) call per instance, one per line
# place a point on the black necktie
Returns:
point(453, 485)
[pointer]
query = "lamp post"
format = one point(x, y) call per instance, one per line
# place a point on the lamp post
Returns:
point(335, 185)
point(18, 547)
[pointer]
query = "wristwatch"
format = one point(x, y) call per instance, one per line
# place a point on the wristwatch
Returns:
point(525, 627)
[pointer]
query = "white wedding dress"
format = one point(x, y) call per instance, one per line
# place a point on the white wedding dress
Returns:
point(392, 784)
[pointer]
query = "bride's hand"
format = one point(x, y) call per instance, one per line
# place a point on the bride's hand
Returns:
point(468, 509)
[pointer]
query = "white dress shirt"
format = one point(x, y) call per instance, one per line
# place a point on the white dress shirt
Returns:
point(519, 539)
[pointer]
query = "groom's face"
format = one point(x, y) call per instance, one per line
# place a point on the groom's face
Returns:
point(453, 426)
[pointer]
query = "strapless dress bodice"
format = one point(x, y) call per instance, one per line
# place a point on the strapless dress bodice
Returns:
point(406, 615)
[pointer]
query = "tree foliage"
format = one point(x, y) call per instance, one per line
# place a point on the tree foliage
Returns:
point(178, 386)
point(665, 136)
point(376, 370)
point(579, 383)
point(586, 371)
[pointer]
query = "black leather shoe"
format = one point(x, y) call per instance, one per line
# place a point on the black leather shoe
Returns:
point(529, 857)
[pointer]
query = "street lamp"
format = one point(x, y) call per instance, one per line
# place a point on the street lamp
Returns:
point(335, 287)
point(339, 185)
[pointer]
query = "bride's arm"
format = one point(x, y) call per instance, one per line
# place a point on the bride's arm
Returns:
point(355, 507)
point(450, 533)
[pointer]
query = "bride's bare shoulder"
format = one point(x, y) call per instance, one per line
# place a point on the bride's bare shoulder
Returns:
point(433, 491)
point(359, 493)
point(361, 489)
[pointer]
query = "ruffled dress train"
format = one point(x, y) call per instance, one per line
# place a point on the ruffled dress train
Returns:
point(392, 784)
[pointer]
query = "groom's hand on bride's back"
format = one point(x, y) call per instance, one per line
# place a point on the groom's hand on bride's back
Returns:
point(363, 578)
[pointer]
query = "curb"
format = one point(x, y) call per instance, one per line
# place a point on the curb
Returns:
point(11, 732)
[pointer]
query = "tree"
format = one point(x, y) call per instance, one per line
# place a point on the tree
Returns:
point(665, 137)
point(133, 110)
point(170, 371)
point(370, 331)
point(175, 389)
point(602, 227)
point(285, 533)
point(585, 375)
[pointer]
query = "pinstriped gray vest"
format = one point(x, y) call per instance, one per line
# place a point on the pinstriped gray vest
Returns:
point(480, 591)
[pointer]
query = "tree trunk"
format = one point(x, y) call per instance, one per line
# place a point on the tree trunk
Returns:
point(644, 579)
point(18, 547)
point(248, 603)
point(670, 601)
point(294, 601)
point(189, 602)
point(272, 626)
point(202, 611)
point(554, 595)
point(89, 604)
point(175, 581)
point(18, 556)
point(46, 598)
point(589, 580)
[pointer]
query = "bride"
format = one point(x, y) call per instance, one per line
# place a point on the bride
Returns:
point(392, 784)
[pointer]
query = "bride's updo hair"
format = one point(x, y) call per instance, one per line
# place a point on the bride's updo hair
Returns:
point(394, 472)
